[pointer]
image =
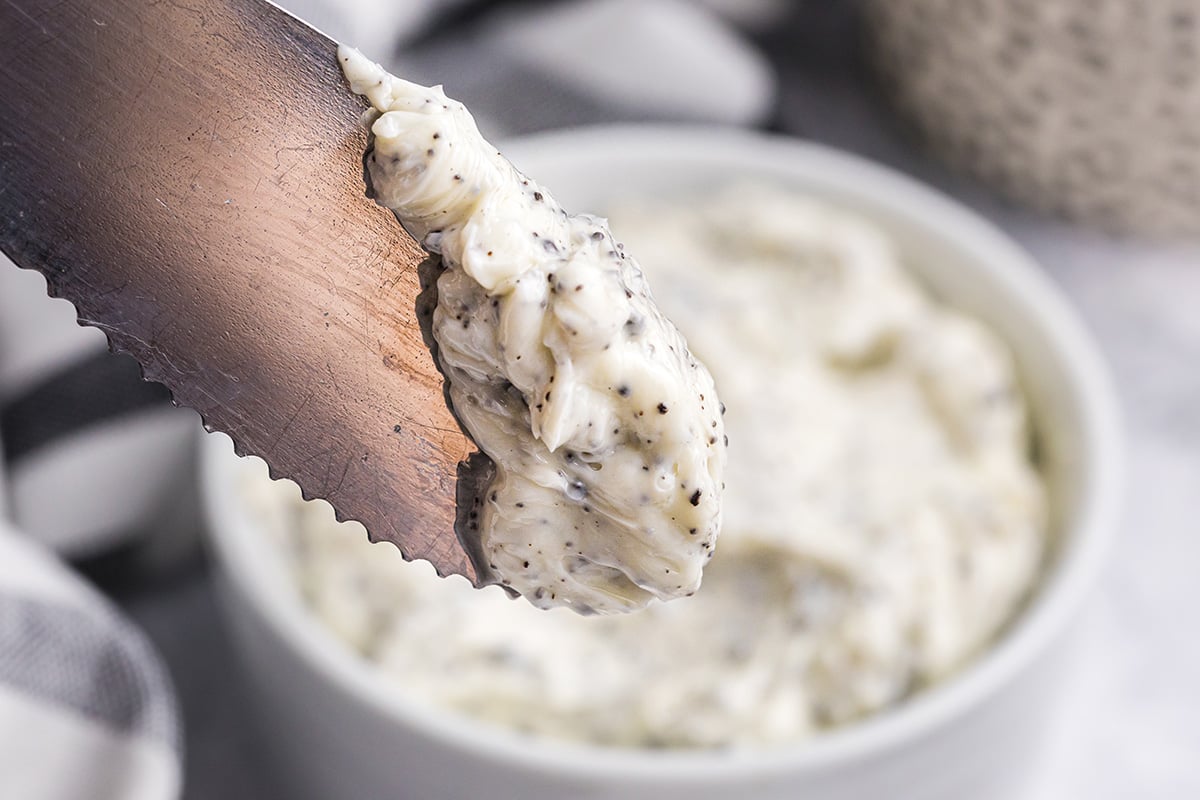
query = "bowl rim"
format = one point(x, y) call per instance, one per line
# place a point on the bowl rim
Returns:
point(1059, 596)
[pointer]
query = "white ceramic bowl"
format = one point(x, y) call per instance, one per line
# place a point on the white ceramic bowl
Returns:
point(341, 731)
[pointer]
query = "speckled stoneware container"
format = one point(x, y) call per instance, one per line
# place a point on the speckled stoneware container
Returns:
point(1088, 108)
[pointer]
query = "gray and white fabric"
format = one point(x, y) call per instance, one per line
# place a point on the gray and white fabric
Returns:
point(94, 457)
point(92, 460)
point(524, 67)
point(86, 710)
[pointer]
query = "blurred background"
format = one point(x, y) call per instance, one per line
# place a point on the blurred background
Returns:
point(1072, 124)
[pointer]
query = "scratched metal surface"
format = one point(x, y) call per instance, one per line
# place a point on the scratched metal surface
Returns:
point(190, 178)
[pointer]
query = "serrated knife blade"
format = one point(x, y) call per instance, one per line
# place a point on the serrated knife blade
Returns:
point(188, 174)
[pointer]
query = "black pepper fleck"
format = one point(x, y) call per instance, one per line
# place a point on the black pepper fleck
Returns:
point(695, 498)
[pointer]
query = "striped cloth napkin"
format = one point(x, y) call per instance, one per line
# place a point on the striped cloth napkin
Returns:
point(86, 710)
point(94, 460)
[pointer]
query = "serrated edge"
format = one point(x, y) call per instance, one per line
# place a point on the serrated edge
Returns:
point(54, 293)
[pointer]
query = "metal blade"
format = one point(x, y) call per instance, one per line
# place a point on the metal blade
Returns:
point(189, 175)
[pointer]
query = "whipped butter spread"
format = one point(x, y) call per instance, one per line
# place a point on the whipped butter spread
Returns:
point(883, 517)
point(605, 431)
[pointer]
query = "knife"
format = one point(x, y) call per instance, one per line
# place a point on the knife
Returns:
point(188, 174)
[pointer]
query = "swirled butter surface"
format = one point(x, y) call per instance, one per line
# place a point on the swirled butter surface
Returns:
point(605, 431)
point(883, 518)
